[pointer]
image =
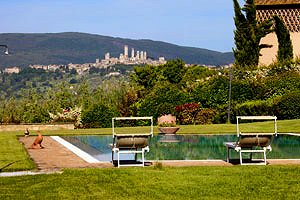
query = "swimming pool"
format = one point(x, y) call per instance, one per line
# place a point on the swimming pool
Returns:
point(185, 147)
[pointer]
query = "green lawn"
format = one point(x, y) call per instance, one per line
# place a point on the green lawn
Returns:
point(155, 182)
point(238, 182)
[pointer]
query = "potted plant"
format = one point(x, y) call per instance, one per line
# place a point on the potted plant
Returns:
point(167, 124)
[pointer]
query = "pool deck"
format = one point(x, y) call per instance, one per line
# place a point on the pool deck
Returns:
point(55, 156)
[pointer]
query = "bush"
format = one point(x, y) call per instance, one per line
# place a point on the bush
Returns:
point(186, 113)
point(205, 116)
point(212, 93)
point(288, 106)
point(192, 113)
point(98, 116)
point(162, 100)
point(254, 108)
point(282, 83)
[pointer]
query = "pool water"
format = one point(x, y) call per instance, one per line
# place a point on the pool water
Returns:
point(186, 147)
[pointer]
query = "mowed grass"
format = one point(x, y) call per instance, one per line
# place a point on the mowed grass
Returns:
point(238, 182)
point(13, 156)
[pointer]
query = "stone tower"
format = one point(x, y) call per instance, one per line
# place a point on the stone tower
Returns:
point(125, 51)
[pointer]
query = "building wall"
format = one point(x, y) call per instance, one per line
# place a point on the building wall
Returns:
point(289, 12)
point(269, 54)
point(35, 127)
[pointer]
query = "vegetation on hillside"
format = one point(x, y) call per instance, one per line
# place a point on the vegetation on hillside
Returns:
point(195, 94)
point(64, 48)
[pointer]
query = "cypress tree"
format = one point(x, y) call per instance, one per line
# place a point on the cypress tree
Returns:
point(248, 34)
point(285, 47)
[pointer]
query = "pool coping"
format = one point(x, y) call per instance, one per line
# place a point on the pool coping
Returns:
point(82, 154)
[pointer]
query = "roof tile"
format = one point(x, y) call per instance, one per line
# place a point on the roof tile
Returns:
point(276, 2)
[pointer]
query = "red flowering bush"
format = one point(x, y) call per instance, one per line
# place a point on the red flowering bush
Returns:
point(186, 113)
point(192, 113)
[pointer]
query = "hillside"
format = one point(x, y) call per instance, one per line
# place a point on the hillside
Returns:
point(70, 47)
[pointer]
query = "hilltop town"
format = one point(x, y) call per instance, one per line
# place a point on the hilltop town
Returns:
point(136, 58)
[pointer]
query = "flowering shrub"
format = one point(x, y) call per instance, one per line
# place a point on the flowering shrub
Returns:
point(192, 113)
point(187, 112)
point(68, 115)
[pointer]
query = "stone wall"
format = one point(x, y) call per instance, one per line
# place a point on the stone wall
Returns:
point(35, 127)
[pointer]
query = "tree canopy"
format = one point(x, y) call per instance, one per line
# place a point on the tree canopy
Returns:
point(248, 34)
point(285, 47)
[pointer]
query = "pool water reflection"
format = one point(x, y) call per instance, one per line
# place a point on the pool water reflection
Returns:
point(185, 147)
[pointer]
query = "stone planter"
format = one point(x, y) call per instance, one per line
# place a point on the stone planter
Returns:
point(168, 130)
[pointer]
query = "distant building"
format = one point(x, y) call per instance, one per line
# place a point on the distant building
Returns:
point(289, 12)
point(12, 70)
point(125, 51)
point(161, 59)
point(106, 57)
point(136, 58)
point(132, 53)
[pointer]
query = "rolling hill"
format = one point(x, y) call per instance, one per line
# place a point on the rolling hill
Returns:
point(72, 47)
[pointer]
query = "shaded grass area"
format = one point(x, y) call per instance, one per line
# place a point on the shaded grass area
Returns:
point(13, 156)
point(239, 182)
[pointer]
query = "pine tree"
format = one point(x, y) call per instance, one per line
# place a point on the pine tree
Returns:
point(248, 34)
point(285, 47)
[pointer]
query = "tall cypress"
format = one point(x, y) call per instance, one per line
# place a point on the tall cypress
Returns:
point(248, 34)
point(285, 47)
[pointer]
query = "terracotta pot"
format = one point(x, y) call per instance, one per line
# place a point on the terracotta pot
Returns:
point(168, 130)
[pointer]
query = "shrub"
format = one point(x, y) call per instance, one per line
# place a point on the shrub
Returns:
point(186, 113)
point(255, 108)
point(192, 113)
point(212, 93)
point(205, 116)
point(288, 106)
point(162, 100)
point(98, 116)
point(68, 115)
point(282, 83)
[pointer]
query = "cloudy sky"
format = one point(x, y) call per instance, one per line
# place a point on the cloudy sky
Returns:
point(194, 23)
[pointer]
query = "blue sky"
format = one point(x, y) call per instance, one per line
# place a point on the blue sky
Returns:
point(194, 23)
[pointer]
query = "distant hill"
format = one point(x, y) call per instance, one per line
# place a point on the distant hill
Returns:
point(71, 47)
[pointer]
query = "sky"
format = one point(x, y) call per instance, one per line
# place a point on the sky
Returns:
point(194, 23)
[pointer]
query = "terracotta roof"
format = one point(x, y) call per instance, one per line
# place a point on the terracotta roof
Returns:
point(276, 2)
